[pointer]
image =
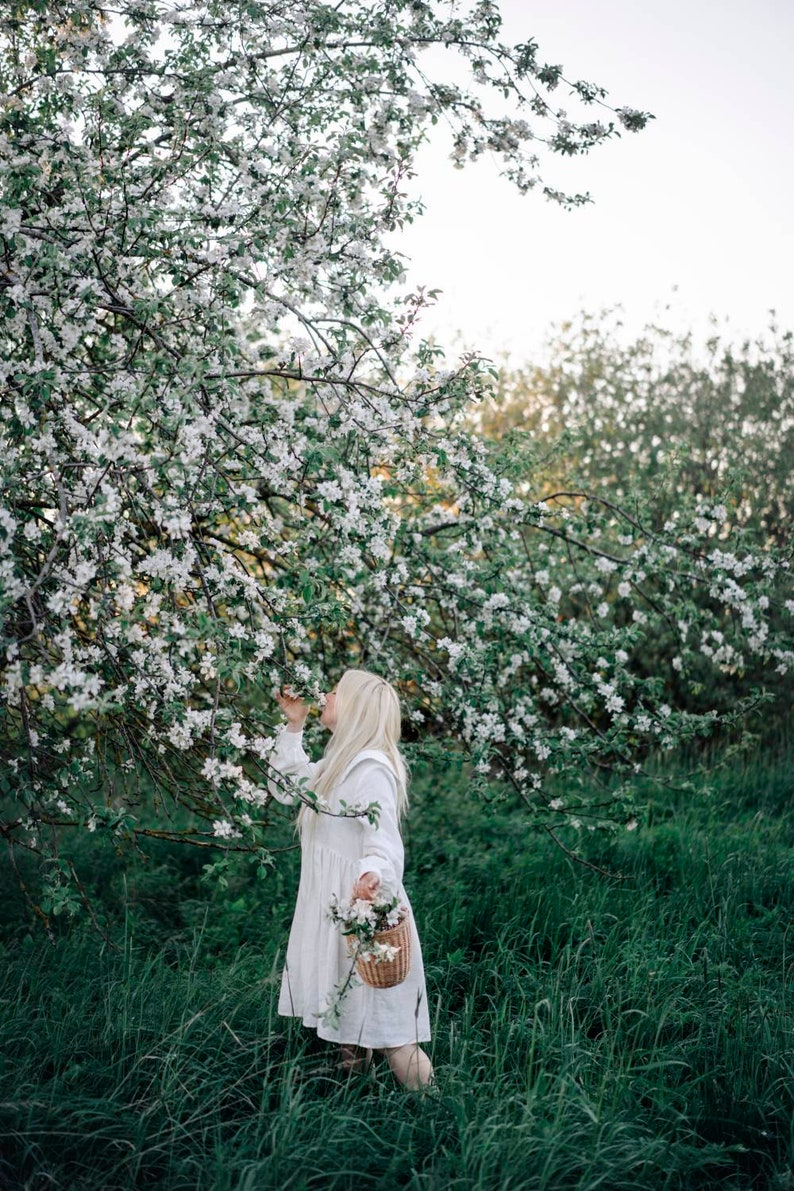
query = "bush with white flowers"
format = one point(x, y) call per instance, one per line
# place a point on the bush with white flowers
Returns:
point(229, 460)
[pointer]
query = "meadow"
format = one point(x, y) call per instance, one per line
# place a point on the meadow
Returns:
point(588, 1032)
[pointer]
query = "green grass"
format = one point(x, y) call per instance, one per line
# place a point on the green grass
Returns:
point(587, 1034)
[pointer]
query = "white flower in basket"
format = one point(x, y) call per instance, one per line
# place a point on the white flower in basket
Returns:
point(378, 938)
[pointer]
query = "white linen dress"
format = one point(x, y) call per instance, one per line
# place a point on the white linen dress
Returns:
point(335, 852)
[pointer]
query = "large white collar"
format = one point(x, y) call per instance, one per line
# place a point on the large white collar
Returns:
point(369, 755)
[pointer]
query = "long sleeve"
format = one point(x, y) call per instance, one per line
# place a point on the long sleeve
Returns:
point(383, 851)
point(291, 760)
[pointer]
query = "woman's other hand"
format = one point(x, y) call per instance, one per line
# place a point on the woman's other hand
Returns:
point(294, 709)
point(366, 887)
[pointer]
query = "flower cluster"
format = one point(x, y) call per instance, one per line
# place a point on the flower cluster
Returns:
point(361, 921)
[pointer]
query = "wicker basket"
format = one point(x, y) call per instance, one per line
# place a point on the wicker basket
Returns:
point(386, 973)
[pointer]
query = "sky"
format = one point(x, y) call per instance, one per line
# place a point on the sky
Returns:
point(692, 217)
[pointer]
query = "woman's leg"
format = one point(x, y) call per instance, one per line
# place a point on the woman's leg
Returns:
point(354, 1058)
point(410, 1065)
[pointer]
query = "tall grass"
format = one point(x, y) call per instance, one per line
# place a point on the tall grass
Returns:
point(587, 1033)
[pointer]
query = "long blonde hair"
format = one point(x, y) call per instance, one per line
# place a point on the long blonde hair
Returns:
point(367, 717)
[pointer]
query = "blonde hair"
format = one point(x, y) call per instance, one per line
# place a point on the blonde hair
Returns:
point(367, 717)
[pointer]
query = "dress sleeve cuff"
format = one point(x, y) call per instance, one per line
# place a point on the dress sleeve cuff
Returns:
point(290, 739)
point(370, 865)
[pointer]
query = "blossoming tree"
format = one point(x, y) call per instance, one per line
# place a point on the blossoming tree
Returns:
point(702, 427)
point(229, 460)
point(690, 420)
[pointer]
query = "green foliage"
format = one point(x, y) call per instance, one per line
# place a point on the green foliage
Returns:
point(630, 1035)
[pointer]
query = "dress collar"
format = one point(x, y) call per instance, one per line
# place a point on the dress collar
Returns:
point(369, 755)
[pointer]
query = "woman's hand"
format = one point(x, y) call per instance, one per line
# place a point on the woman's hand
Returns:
point(294, 709)
point(366, 887)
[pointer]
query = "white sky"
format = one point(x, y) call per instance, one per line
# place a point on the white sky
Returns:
point(701, 200)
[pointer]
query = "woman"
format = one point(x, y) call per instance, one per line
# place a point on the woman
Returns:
point(349, 856)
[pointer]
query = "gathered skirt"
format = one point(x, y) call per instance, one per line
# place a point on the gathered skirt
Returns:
point(318, 963)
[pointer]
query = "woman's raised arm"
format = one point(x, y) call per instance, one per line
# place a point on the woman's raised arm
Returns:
point(289, 756)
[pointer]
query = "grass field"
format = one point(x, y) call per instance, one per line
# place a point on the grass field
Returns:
point(587, 1033)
